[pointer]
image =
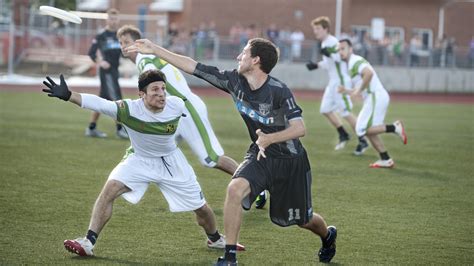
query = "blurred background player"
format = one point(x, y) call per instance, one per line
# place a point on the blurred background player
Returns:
point(105, 50)
point(376, 99)
point(152, 121)
point(332, 100)
point(195, 128)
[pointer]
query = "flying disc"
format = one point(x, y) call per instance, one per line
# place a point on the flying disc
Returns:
point(61, 14)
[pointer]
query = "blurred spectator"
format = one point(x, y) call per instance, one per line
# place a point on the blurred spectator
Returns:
point(200, 40)
point(172, 32)
point(450, 46)
point(471, 52)
point(284, 41)
point(181, 43)
point(211, 38)
point(415, 47)
point(297, 37)
point(396, 49)
point(273, 33)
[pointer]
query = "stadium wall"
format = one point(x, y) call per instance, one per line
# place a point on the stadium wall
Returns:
point(399, 79)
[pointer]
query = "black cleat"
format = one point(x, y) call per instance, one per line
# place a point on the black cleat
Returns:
point(222, 262)
point(361, 147)
point(327, 252)
point(261, 200)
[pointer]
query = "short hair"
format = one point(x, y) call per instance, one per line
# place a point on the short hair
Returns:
point(129, 29)
point(324, 21)
point(267, 51)
point(148, 77)
point(346, 41)
point(112, 11)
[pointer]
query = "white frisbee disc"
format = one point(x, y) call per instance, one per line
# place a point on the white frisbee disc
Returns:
point(61, 14)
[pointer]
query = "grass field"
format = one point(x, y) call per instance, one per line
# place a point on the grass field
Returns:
point(421, 212)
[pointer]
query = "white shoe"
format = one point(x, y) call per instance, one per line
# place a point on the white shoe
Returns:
point(400, 131)
point(220, 244)
point(341, 145)
point(95, 133)
point(122, 133)
point(80, 246)
point(383, 164)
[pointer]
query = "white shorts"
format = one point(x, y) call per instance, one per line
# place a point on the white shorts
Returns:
point(334, 101)
point(373, 112)
point(172, 174)
point(197, 131)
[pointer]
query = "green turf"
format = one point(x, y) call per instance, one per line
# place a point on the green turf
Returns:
point(421, 212)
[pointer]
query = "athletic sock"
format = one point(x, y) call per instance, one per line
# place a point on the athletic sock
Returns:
point(342, 132)
point(389, 128)
point(119, 127)
point(92, 236)
point(325, 240)
point(214, 237)
point(230, 253)
point(384, 155)
point(92, 126)
point(362, 140)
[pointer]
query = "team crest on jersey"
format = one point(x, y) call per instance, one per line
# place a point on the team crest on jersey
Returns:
point(264, 108)
point(121, 105)
point(170, 128)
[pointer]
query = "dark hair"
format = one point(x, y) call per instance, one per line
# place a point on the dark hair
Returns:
point(325, 22)
point(267, 51)
point(346, 41)
point(129, 29)
point(148, 77)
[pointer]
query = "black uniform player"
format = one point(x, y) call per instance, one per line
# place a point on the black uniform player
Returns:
point(276, 159)
point(109, 47)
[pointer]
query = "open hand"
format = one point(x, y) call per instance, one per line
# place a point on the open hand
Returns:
point(143, 46)
point(60, 91)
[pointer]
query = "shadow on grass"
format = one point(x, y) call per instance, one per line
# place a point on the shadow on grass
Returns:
point(107, 260)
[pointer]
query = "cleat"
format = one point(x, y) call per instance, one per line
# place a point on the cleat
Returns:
point(95, 133)
point(400, 131)
point(361, 148)
point(222, 262)
point(328, 250)
point(383, 164)
point(122, 133)
point(342, 142)
point(261, 200)
point(220, 244)
point(80, 246)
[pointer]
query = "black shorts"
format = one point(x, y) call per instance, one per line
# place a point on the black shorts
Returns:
point(287, 179)
point(109, 86)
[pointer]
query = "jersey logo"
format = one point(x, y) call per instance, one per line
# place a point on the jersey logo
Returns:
point(264, 108)
point(170, 128)
point(120, 104)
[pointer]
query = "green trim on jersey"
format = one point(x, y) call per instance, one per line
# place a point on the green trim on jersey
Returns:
point(341, 79)
point(128, 152)
point(355, 69)
point(369, 123)
point(154, 128)
point(160, 64)
point(156, 62)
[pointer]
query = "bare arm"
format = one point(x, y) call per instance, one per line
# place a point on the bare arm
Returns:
point(76, 98)
point(296, 129)
point(367, 75)
point(144, 46)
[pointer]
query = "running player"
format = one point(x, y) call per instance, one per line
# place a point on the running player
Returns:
point(105, 50)
point(276, 159)
point(370, 120)
point(195, 128)
point(333, 101)
point(151, 122)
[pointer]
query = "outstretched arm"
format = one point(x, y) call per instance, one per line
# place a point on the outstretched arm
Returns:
point(144, 46)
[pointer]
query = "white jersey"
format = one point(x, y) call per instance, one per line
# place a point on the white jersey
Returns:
point(333, 64)
point(356, 65)
point(152, 135)
point(176, 84)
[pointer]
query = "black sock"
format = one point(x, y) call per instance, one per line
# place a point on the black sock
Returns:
point(92, 236)
point(390, 128)
point(214, 237)
point(92, 126)
point(342, 132)
point(362, 139)
point(230, 253)
point(325, 240)
point(384, 155)
point(119, 126)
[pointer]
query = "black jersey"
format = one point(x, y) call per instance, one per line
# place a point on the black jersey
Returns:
point(109, 47)
point(269, 108)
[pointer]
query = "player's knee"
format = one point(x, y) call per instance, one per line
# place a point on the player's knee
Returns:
point(237, 189)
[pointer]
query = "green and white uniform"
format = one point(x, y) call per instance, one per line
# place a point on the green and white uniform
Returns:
point(195, 128)
point(332, 100)
point(156, 157)
point(376, 98)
